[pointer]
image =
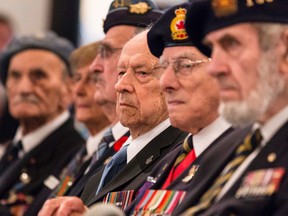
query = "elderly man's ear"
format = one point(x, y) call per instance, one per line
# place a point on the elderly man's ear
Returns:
point(283, 64)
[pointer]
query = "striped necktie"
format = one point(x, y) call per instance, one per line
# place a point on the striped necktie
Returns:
point(250, 143)
point(117, 162)
point(185, 158)
point(186, 149)
point(102, 147)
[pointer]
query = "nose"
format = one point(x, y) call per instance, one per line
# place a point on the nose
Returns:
point(219, 64)
point(25, 85)
point(96, 65)
point(168, 80)
point(125, 83)
point(79, 87)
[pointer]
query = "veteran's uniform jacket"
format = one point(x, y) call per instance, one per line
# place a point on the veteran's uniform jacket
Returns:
point(134, 174)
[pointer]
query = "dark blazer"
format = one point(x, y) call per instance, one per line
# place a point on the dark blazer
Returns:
point(80, 182)
point(274, 155)
point(210, 167)
point(48, 158)
point(162, 169)
point(134, 174)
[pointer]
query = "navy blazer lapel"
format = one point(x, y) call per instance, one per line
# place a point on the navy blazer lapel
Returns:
point(150, 153)
point(35, 159)
point(82, 180)
point(80, 183)
point(210, 166)
point(178, 184)
point(274, 146)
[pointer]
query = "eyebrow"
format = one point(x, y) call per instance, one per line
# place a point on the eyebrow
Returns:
point(186, 54)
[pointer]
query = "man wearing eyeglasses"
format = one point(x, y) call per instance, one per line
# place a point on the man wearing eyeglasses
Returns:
point(192, 98)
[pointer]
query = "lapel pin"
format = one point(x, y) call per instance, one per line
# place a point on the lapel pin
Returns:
point(191, 174)
point(149, 160)
point(25, 178)
point(271, 157)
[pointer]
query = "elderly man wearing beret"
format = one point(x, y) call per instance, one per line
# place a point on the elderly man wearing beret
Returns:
point(36, 73)
point(248, 40)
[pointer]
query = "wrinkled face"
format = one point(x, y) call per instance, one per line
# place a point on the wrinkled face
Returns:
point(140, 101)
point(87, 111)
point(105, 64)
point(36, 85)
point(248, 77)
point(192, 95)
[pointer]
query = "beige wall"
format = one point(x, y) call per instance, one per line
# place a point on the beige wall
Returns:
point(29, 16)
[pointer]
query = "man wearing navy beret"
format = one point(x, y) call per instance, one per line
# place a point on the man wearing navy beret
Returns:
point(36, 73)
point(248, 41)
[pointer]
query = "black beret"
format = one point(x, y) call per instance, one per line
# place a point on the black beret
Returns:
point(46, 41)
point(139, 13)
point(205, 16)
point(169, 31)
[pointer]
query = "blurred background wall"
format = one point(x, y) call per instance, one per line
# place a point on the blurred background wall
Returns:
point(79, 20)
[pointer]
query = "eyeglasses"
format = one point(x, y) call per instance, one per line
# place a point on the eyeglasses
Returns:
point(183, 66)
point(106, 51)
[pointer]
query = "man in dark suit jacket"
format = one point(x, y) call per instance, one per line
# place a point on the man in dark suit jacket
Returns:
point(141, 107)
point(186, 82)
point(36, 72)
point(250, 63)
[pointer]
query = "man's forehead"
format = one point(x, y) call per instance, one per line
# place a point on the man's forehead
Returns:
point(119, 34)
point(236, 30)
point(190, 52)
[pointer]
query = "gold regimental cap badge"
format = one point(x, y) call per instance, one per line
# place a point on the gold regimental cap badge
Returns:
point(177, 26)
point(139, 8)
point(224, 7)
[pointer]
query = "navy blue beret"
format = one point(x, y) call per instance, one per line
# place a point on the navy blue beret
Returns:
point(169, 30)
point(46, 41)
point(139, 13)
point(205, 16)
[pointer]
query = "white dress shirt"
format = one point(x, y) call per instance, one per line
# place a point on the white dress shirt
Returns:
point(34, 138)
point(136, 145)
point(209, 134)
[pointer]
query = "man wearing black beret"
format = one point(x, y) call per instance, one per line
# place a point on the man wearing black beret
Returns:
point(192, 98)
point(36, 73)
point(248, 41)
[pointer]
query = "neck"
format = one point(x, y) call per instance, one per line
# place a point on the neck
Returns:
point(110, 112)
point(203, 123)
point(139, 130)
point(277, 106)
point(95, 127)
point(30, 125)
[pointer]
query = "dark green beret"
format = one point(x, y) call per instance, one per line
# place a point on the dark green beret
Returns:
point(139, 13)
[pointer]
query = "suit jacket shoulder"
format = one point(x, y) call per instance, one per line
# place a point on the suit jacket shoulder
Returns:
point(48, 158)
point(210, 166)
point(134, 174)
point(266, 191)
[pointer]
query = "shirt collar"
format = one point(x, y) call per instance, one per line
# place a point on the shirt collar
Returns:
point(93, 142)
point(34, 138)
point(209, 134)
point(140, 142)
point(269, 129)
point(118, 130)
